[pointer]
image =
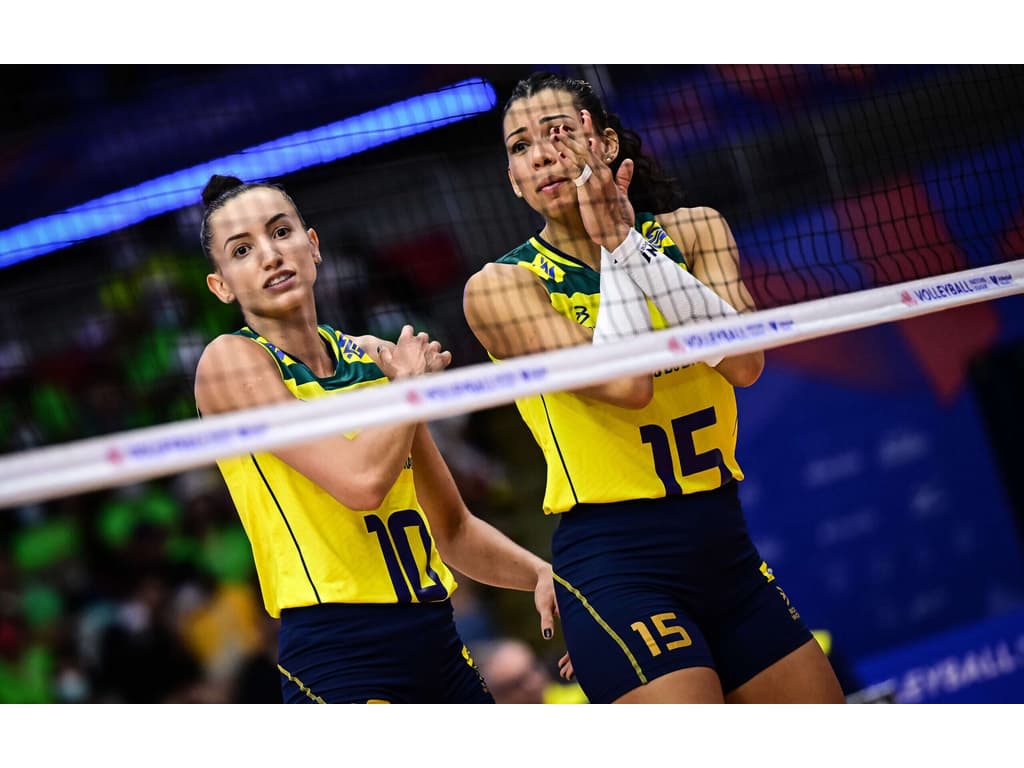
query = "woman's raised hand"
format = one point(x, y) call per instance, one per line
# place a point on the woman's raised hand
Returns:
point(604, 200)
point(412, 355)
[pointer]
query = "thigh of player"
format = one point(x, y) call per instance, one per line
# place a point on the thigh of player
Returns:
point(622, 635)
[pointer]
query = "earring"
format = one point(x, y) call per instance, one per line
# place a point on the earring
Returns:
point(609, 159)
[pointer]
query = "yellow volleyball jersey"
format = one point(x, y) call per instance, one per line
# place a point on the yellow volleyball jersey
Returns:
point(309, 548)
point(683, 441)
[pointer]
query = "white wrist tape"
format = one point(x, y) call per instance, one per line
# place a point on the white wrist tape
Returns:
point(623, 311)
point(679, 296)
point(585, 174)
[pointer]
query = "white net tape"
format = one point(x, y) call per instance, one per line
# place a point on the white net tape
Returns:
point(126, 457)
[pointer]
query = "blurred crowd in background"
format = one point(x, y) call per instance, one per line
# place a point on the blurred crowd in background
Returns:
point(147, 593)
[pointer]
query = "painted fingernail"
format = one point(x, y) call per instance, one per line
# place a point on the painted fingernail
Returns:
point(547, 634)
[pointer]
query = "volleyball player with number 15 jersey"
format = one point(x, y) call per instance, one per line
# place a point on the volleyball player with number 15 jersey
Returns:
point(661, 593)
point(349, 531)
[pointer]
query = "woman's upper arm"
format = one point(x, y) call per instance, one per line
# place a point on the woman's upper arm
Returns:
point(435, 487)
point(712, 253)
point(714, 259)
point(510, 313)
point(233, 373)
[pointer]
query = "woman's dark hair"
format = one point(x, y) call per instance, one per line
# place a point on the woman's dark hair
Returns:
point(218, 190)
point(650, 190)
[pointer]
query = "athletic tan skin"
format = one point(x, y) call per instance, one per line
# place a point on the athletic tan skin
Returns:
point(548, 144)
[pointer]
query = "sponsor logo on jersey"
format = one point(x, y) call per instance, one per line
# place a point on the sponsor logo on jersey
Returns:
point(656, 236)
point(274, 350)
point(545, 268)
point(350, 350)
point(793, 612)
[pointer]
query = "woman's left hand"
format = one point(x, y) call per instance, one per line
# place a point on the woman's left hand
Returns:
point(435, 357)
point(565, 670)
point(544, 600)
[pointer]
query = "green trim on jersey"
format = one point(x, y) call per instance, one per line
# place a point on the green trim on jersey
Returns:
point(353, 367)
point(684, 441)
point(573, 286)
point(310, 548)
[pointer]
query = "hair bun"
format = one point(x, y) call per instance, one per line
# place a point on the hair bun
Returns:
point(217, 186)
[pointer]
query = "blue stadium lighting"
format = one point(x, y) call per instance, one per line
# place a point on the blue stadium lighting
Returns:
point(263, 161)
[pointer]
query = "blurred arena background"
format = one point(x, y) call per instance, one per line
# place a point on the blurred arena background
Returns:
point(883, 466)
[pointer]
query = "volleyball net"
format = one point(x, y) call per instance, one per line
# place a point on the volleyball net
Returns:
point(844, 204)
point(855, 196)
point(141, 454)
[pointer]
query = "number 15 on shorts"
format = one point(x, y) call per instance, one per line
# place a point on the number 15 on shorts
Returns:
point(661, 624)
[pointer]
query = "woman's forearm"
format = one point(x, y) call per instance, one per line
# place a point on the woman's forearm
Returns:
point(485, 554)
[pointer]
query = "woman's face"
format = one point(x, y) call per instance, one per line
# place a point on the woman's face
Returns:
point(265, 259)
point(533, 162)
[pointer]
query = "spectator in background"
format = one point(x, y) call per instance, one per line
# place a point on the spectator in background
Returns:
point(258, 680)
point(142, 657)
point(516, 675)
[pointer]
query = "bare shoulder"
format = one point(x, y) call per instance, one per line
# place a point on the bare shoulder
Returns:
point(494, 275)
point(498, 285)
point(233, 373)
point(226, 350)
point(509, 311)
point(692, 222)
point(699, 232)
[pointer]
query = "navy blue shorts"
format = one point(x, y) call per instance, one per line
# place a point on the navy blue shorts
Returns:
point(648, 587)
point(359, 653)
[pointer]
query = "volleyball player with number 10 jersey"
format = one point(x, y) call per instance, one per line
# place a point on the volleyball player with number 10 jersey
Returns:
point(348, 531)
point(661, 593)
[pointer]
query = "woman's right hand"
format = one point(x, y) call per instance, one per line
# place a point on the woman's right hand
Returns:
point(604, 200)
point(565, 669)
point(412, 355)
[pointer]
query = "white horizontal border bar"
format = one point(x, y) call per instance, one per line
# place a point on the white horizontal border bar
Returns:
point(126, 457)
